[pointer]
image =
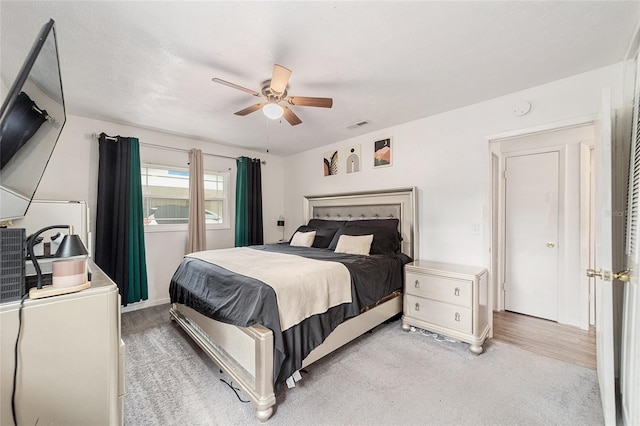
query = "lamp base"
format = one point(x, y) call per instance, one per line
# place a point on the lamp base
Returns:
point(49, 290)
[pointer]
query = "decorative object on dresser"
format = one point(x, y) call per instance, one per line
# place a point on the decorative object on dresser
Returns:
point(448, 299)
point(70, 247)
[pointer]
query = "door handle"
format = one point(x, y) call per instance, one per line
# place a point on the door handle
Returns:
point(603, 275)
point(622, 275)
point(551, 245)
point(607, 275)
point(593, 273)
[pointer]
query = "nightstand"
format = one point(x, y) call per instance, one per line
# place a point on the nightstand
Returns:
point(448, 299)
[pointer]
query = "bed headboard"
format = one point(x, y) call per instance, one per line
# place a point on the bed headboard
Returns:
point(391, 203)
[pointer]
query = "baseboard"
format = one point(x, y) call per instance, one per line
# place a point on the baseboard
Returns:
point(144, 304)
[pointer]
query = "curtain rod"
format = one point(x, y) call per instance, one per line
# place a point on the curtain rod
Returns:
point(170, 148)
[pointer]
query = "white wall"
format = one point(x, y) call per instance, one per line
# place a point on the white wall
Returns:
point(72, 174)
point(447, 157)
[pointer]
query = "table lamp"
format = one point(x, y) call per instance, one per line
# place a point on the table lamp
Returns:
point(281, 225)
point(69, 274)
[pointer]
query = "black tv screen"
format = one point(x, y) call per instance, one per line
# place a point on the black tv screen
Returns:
point(31, 119)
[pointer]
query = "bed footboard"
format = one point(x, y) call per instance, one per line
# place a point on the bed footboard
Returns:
point(245, 354)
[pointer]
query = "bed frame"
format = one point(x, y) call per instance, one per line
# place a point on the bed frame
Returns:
point(245, 354)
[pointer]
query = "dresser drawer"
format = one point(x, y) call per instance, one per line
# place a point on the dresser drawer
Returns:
point(450, 290)
point(439, 313)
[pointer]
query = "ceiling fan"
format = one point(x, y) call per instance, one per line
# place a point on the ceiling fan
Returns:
point(274, 91)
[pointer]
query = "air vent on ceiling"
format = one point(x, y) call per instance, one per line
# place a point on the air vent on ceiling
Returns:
point(358, 124)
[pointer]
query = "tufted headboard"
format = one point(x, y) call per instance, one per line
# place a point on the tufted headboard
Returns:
point(392, 203)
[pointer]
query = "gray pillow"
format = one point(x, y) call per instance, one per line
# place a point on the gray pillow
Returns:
point(323, 235)
point(326, 223)
point(386, 239)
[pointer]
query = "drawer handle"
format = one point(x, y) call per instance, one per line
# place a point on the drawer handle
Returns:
point(456, 292)
point(417, 284)
point(417, 306)
point(457, 317)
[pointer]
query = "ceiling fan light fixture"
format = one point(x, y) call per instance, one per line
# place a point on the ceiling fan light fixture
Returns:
point(273, 110)
point(274, 92)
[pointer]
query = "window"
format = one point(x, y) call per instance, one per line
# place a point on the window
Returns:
point(165, 197)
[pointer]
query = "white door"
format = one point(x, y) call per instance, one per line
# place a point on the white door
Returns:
point(604, 261)
point(630, 363)
point(531, 234)
point(630, 350)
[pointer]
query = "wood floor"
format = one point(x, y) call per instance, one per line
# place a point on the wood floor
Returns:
point(547, 338)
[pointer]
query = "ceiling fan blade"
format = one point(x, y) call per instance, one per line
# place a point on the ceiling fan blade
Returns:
point(235, 86)
point(290, 116)
point(250, 109)
point(311, 102)
point(280, 78)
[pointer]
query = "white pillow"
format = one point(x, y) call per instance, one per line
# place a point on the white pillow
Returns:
point(352, 244)
point(303, 239)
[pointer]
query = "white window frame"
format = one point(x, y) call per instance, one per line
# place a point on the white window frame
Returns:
point(226, 210)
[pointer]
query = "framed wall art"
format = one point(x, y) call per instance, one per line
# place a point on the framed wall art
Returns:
point(331, 163)
point(382, 153)
point(352, 156)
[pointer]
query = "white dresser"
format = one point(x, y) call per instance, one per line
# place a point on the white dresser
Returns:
point(71, 369)
point(448, 299)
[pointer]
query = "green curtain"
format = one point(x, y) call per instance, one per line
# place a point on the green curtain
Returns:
point(137, 265)
point(249, 227)
point(120, 250)
point(242, 213)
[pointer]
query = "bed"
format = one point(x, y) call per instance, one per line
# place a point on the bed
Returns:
point(260, 349)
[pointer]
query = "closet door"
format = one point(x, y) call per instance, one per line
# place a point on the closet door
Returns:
point(531, 234)
point(630, 347)
point(604, 261)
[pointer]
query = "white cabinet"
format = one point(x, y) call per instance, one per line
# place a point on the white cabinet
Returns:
point(71, 368)
point(448, 299)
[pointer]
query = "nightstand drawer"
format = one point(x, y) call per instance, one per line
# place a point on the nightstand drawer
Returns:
point(450, 290)
point(439, 313)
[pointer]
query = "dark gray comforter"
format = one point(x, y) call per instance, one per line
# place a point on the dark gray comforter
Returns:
point(239, 300)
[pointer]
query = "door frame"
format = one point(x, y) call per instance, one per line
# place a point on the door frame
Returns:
point(496, 220)
point(587, 227)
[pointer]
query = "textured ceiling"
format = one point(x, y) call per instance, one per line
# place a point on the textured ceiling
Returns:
point(150, 63)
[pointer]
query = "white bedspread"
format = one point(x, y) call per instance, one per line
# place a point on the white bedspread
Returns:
point(303, 287)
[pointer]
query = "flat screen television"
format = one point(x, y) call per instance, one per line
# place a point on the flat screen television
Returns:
point(31, 120)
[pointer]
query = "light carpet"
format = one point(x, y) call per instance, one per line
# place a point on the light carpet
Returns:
point(386, 377)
